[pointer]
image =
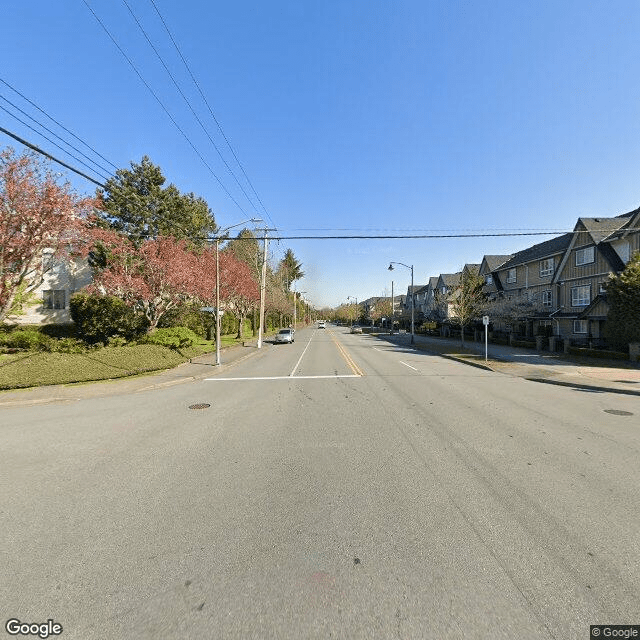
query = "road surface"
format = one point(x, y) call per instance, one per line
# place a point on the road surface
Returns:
point(337, 487)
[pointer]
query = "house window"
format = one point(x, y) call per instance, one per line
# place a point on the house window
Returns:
point(546, 298)
point(511, 275)
point(444, 290)
point(580, 326)
point(585, 256)
point(546, 267)
point(54, 299)
point(580, 296)
point(488, 279)
point(602, 288)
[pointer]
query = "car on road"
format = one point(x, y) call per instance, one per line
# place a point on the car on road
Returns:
point(356, 329)
point(322, 324)
point(285, 335)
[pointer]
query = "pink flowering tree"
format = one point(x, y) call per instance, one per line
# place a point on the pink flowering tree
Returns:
point(153, 278)
point(36, 214)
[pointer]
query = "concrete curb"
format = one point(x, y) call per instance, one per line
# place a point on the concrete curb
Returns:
point(584, 387)
point(559, 383)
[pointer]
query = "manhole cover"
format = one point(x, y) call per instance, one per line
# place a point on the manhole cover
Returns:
point(618, 412)
point(204, 405)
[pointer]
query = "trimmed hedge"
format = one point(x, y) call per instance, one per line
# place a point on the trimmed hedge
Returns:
point(598, 353)
point(172, 337)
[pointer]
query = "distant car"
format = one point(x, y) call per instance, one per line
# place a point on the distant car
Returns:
point(356, 329)
point(285, 335)
point(322, 324)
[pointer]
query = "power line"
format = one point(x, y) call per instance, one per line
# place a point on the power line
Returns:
point(51, 141)
point(58, 123)
point(184, 97)
point(48, 155)
point(175, 124)
point(195, 82)
point(53, 133)
point(420, 237)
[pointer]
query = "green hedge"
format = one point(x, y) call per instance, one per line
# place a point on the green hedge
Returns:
point(172, 337)
point(598, 353)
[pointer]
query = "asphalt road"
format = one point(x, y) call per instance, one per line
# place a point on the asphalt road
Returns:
point(337, 487)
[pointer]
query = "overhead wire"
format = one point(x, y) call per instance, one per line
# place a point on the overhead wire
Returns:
point(56, 122)
point(52, 142)
point(211, 112)
point(164, 108)
point(188, 103)
point(48, 155)
point(53, 133)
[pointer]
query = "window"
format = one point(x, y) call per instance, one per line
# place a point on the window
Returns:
point(54, 299)
point(584, 256)
point(546, 267)
point(511, 275)
point(444, 290)
point(488, 279)
point(580, 296)
point(546, 298)
point(602, 287)
point(580, 326)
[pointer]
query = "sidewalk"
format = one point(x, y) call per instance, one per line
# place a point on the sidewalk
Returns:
point(538, 366)
point(196, 369)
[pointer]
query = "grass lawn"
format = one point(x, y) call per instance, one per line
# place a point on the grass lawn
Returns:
point(37, 368)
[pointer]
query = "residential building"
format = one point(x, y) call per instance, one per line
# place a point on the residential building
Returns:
point(599, 247)
point(59, 280)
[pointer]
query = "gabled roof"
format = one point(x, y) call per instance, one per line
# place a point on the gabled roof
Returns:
point(495, 261)
point(433, 282)
point(540, 250)
point(472, 268)
point(450, 279)
point(601, 228)
point(414, 289)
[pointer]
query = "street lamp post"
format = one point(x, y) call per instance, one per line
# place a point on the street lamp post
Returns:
point(411, 292)
point(222, 232)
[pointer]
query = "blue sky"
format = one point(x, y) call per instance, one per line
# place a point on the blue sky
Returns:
point(354, 117)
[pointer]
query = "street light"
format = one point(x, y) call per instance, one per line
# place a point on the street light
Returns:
point(411, 291)
point(356, 299)
point(222, 232)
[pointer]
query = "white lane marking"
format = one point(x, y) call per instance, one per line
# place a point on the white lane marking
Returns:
point(349, 375)
point(407, 365)
point(302, 356)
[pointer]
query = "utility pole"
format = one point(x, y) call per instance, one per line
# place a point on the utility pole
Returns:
point(263, 287)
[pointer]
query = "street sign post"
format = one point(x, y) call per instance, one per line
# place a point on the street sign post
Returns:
point(485, 322)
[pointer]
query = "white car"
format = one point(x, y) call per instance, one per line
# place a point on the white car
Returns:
point(284, 336)
point(322, 324)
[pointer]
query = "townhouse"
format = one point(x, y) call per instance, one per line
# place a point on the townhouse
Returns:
point(598, 248)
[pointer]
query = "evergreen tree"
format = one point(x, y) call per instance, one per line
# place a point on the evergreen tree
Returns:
point(136, 204)
point(623, 297)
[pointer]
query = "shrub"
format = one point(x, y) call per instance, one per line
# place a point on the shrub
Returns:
point(32, 340)
point(98, 318)
point(187, 315)
point(68, 345)
point(172, 337)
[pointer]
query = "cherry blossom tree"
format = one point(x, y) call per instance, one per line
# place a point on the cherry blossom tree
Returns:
point(37, 213)
point(153, 278)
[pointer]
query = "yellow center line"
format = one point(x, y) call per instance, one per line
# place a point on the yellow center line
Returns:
point(348, 359)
